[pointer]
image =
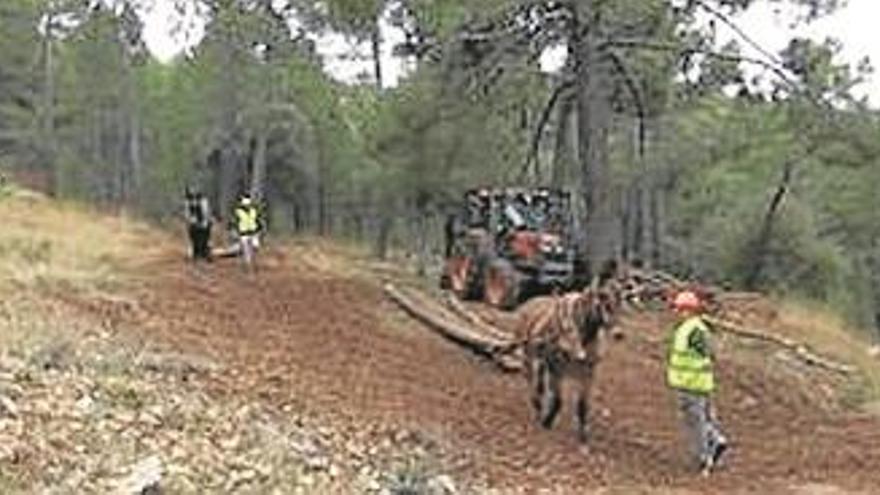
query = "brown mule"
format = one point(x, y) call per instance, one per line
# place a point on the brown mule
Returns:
point(560, 335)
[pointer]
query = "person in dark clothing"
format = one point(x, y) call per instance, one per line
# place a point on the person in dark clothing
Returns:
point(198, 221)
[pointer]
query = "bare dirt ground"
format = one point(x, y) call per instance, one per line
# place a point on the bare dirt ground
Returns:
point(311, 331)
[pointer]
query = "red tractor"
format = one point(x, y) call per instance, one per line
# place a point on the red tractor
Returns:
point(507, 244)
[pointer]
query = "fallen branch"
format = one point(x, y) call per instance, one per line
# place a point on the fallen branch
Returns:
point(656, 283)
point(496, 349)
point(799, 349)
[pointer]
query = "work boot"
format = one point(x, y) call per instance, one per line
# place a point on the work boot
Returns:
point(706, 466)
point(719, 450)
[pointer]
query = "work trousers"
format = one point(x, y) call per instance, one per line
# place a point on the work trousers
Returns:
point(199, 238)
point(702, 429)
point(248, 243)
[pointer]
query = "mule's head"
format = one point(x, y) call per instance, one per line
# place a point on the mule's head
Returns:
point(587, 313)
point(618, 285)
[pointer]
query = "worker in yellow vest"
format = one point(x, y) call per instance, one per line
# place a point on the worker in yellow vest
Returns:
point(690, 374)
point(247, 226)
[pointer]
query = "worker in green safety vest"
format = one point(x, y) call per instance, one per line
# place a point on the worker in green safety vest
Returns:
point(690, 374)
point(247, 226)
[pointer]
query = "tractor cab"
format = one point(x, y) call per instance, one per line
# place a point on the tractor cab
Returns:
point(514, 242)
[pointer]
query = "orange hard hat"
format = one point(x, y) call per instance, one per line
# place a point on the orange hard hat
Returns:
point(686, 300)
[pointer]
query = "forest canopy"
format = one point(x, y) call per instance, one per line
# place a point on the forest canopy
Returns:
point(756, 172)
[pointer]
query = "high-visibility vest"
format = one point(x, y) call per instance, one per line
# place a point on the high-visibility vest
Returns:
point(246, 220)
point(686, 368)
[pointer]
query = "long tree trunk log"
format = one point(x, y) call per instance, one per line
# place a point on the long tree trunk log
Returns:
point(491, 347)
point(473, 319)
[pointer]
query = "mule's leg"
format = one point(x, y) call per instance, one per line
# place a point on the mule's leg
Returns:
point(534, 370)
point(553, 375)
point(582, 401)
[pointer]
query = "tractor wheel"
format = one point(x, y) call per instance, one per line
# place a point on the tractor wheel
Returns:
point(460, 271)
point(502, 285)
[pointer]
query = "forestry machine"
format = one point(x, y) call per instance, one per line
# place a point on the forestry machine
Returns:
point(506, 244)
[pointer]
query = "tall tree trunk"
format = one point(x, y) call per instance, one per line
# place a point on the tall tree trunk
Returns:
point(628, 205)
point(133, 136)
point(97, 157)
point(228, 179)
point(641, 220)
point(653, 196)
point(594, 115)
point(758, 252)
point(383, 236)
point(638, 216)
point(361, 212)
point(324, 225)
point(563, 156)
point(385, 220)
point(376, 48)
point(135, 156)
point(385, 223)
point(121, 193)
point(421, 234)
point(48, 112)
point(655, 223)
point(258, 169)
point(626, 223)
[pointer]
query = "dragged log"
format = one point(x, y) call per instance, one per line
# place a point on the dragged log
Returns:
point(462, 326)
point(501, 351)
point(472, 318)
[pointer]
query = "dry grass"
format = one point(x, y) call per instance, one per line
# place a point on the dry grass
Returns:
point(322, 257)
point(348, 259)
point(47, 244)
point(831, 335)
point(50, 247)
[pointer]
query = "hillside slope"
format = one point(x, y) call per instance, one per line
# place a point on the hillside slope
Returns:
point(312, 333)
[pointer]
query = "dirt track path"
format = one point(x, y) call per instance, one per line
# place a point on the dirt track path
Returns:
point(333, 343)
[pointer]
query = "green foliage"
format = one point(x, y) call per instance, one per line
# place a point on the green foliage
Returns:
point(171, 103)
point(435, 142)
point(357, 15)
point(728, 167)
point(123, 131)
point(92, 81)
point(444, 17)
point(19, 78)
